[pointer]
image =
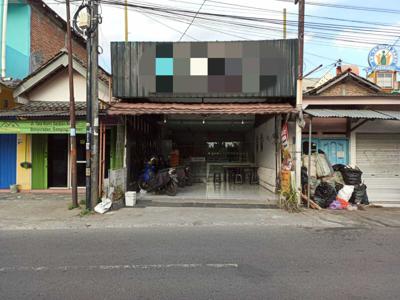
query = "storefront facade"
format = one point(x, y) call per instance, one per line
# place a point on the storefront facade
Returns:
point(38, 156)
point(361, 126)
point(37, 128)
point(220, 105)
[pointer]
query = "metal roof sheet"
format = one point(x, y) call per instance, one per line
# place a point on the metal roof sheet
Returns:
point(394, 114)
point(349, 113)
point(126, 108)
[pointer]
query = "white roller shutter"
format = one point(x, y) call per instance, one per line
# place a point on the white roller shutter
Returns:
point(378, 156)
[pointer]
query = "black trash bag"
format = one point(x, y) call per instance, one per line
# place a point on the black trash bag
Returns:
point(338, 167)
point(351, 176)
point(304, 177)
point(338, 186)
point(325, 194)
point(359, 195)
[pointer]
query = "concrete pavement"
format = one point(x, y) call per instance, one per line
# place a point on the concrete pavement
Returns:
point(32, 211)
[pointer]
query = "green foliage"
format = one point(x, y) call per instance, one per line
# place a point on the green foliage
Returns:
point(289, 200)
point(85, 212)
point(71, 206)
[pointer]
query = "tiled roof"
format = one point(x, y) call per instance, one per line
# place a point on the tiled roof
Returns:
point(102, 74)
point(126, 108)
point(38, 109)
point(343, 76)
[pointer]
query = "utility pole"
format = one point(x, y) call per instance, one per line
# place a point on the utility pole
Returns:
point(299, 98)
point(126, 20)
point(86, 22)
point(94, 165)
point(72, 122)
point(284, 23)
point(88, 113)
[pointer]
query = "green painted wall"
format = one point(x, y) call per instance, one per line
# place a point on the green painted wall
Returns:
point(117, 147)
point(39, 161)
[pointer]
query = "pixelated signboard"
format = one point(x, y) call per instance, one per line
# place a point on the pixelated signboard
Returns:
point(204, 69)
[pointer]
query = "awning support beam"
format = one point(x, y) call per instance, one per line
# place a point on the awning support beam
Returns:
point(359, 124)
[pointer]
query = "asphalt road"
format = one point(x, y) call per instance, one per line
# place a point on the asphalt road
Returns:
point(201, 263)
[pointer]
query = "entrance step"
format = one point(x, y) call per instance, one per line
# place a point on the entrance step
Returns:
point(217, 203)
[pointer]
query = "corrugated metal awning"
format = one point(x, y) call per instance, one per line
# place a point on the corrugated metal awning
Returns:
point(349, 113)
point(391, 113)
point(126, 108)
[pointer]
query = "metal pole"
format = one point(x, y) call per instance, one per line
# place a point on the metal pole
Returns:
point(74, 169)
point(309, 162)
point(126, 20)
point(94, 166)
point(299, 99)
point(284, 23)
point(88, 117)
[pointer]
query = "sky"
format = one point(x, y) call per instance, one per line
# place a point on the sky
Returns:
point(325, 48)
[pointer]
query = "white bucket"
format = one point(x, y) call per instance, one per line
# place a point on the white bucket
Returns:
point(130, 198)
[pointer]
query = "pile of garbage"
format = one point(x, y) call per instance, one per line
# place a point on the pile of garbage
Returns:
point(335, 187)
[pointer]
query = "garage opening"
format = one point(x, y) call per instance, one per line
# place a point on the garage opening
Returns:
point(228, 157)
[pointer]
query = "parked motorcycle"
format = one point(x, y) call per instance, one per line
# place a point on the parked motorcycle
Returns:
point(172, 184)
point(165, 180)
point(148, 175)
point(189, 178)
point(184, 176)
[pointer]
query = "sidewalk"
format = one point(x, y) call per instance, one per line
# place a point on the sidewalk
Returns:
point(35, 211)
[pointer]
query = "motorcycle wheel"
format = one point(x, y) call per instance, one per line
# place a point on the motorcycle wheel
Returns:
point(171, 189)
point(143, 185)
point(189, 181)
point(181, 183)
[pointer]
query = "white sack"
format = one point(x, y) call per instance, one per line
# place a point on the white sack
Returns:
point(103, 206)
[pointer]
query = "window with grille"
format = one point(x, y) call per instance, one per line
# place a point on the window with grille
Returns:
point(384, 80)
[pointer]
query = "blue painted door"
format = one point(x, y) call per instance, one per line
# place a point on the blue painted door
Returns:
point(337, 150)
point(8, 160)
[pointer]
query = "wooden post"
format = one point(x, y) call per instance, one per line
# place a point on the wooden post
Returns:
point(74, 168)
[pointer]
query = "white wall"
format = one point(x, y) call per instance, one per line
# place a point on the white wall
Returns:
point(57, 88)
point(265, 159)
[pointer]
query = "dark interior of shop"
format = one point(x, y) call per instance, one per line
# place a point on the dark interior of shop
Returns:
point(219, 149)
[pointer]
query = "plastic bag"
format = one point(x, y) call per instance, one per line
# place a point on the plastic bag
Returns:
point(324, 167)
point(351, 176)
point(314, 183)
point(313, 169)
point(103, 206)
point(338, 177)
point(339, 204)
point(360, 195)
point(338, 167)
point(324, 195)
point(304, 177)
point(346, 192)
